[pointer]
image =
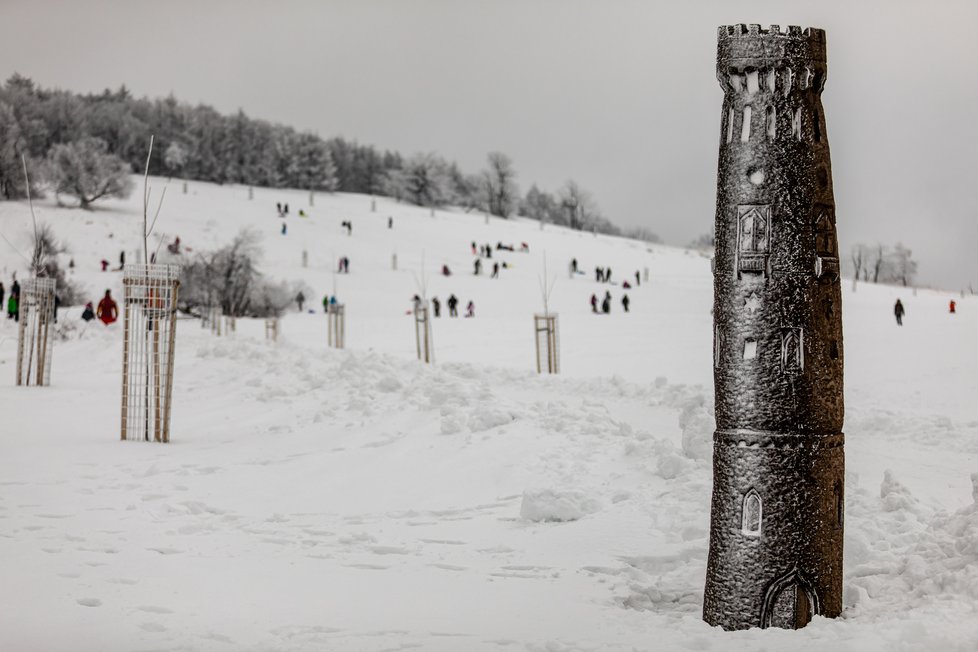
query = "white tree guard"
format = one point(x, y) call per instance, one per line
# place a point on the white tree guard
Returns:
point(150, 328)
point(547, 343)
point(336, 317)
point(422, 334)
point(34, 340)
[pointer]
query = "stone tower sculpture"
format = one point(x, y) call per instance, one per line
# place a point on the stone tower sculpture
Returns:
point(778, 458)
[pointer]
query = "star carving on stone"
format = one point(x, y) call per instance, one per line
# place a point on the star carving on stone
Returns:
point(753, 303)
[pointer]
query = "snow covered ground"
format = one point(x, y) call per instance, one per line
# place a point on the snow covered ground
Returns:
point(314, 499)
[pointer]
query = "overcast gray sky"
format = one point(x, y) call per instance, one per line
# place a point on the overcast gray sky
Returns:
point(619, 95)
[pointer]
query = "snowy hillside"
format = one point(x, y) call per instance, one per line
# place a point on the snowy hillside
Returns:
point(314, 499)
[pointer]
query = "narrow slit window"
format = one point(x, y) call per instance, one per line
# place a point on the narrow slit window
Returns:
point(750, 349)
point(772, 76)
point(789, 80)
point(730, 124)
point(796, 124)
point(772, 126)
point(752, 514)
point(753, 82)
point(745, 126)
point(736, 82)
point(816, 126)
point(840, 504)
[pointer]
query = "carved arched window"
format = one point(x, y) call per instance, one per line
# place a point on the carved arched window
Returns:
point(752, 514)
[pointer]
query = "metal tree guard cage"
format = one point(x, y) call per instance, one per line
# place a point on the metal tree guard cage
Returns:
point(545, 336)
point(422, 334)
point(33, 340)
point(150, 328)
point(271, 329)
point(336, 316)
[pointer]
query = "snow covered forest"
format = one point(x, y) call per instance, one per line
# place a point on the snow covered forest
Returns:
point(104, 135)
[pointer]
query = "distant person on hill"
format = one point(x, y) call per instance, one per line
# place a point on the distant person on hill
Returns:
point(488, 251)
point(899, 312)
point(88, 314)
point(284, 225)
point(473, 247)
point(15, 288)
point(302, 212)
point(598, 274)
point(607, 275)
point(525, 248)
point(285, 209)
point(606, 304)
point(445, 271)
point(300, 299)
point(625, 301)
point(326, 303)
point(57, 304)
point(495, 270)
point(278, 208)
point(594, 303)
point(390, 222)
point(452, 305)
point(470, 309)
point(436, 305)
point(2, 292)
point(105, 265)
point(638, 279)
point(573, 265)
point(12, 307)
point(627, 285)
point(952, 306)
point(122, 260)
point(478, 266)
point(107, 311)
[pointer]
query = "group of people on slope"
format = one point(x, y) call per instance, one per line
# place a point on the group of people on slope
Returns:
point(605, 305)
point(899, 311)
point(452, 304)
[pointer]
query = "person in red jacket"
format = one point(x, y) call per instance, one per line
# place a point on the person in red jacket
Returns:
point(108, 311)
point(952, 306)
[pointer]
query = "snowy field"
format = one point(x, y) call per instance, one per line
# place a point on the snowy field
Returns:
point(314, 499)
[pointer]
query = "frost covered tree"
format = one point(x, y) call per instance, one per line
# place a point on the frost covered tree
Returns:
point(427, 182)
point(175, 157)
point(582, 212)
point(395, 184)
point(85, 170)
point(499, 183)
point(12, 145)
point(900, 267)
point(542, 206)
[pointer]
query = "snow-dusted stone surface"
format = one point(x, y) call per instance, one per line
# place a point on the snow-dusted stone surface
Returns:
point(311, 499)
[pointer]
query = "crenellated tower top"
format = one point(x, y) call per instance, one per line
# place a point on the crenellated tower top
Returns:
point(750, 46)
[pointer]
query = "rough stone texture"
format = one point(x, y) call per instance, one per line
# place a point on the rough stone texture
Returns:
point(778, 447)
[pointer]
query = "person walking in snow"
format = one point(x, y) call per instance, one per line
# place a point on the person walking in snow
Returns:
point(452, 305)
point(436, 306)
point(473, 248)
point(326, 303)
point(478, 266)
point(284, 228)
point(606, 304)
point(638, 279)
point(625, 301)
point(107, 311)
point(607, 275)
point(573, 266)
point(470, 309)
point(300, 299)
point(952, 306)
point(12, 307)
point(2, 292)
point(899, 312)
point(598, 274)
point(495, 270)
point(390, 222)
point(594, 303)
point(88, 314)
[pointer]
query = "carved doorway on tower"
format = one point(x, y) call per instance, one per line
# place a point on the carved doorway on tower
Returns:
point(790, 602)
point(753, 240)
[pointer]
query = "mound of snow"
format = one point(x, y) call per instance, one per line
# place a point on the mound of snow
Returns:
point(551, 505)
